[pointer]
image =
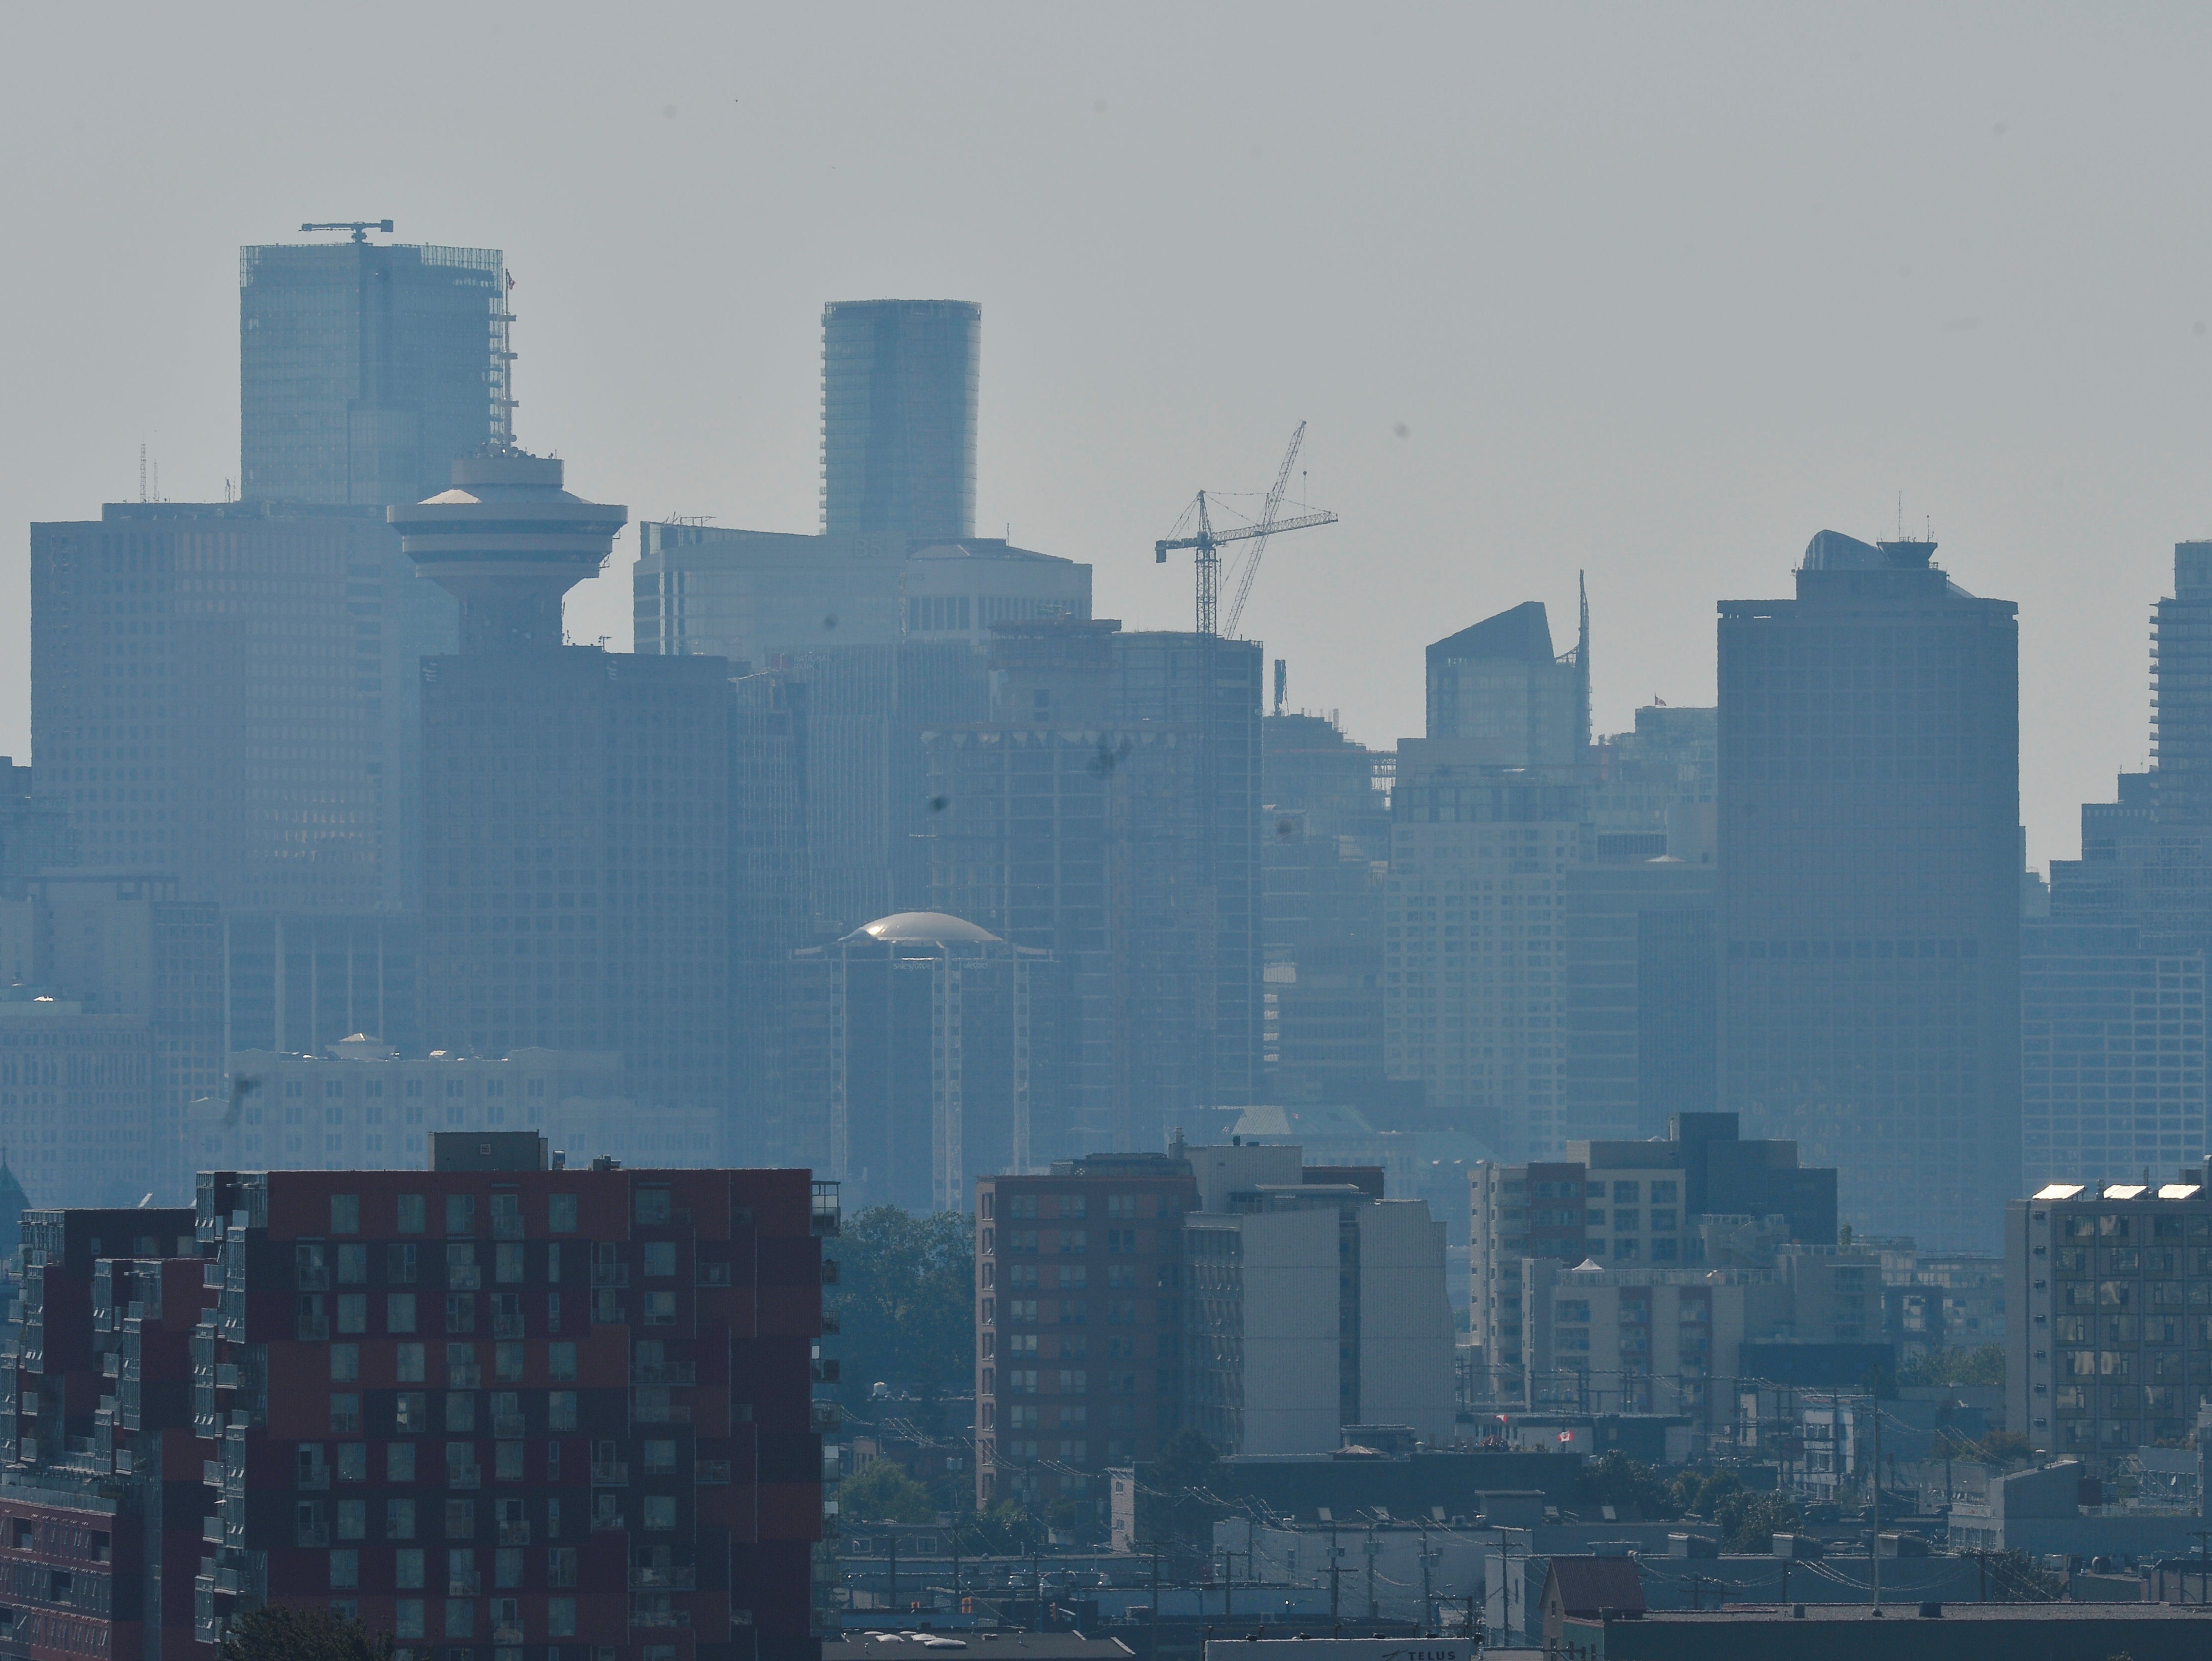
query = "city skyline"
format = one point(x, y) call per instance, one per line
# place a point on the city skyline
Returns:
point(2062, 486)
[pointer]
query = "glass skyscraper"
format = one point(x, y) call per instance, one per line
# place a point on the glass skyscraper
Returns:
point(365, 369)
point(899, 381)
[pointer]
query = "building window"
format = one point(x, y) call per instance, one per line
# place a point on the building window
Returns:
point(399, 1311)
point(345, 1214)
point(561, 1213)
point(659, 1512)
point(560, 1410)
point(461, 1213)
point(561, 1360)
point(345, 1410)
point(412, 1211)
point(399, 1467)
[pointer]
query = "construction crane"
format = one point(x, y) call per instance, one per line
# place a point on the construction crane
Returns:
point(360, 228)
point(1207, 543)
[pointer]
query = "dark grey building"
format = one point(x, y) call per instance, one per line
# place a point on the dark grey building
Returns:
point(1498, 686)
point(1869, 916)
point(899, 383)
point(227, 693)
point(1109, 814)
point(576, 837)
point(1638, 998)
point(939, 1040)
point(365, 369)
point(34, 830)
point(1325, 846)
point(770, 917)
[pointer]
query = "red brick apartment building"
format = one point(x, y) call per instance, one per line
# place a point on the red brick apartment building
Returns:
point(500, 1411)
point(1078, 1279)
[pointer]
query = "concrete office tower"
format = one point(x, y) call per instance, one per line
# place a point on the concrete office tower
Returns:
point(1868, 917)
point(34, 831)
point(228, 694)
point(1314, 1305)
point(939, 1034)
point(576, 847)
point(899, 381)
point(1639, 1020)
point(76, 1093)
point(1110, 815)
point(365, 369)
point(1498, 687)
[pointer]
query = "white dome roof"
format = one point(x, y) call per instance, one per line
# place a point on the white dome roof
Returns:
point(924, 926)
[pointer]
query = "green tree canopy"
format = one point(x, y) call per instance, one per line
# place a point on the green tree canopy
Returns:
point(1982, 1365)
point(882, 1491)
point(906, 1303)
point(276, 1634)
point(1178, 1494)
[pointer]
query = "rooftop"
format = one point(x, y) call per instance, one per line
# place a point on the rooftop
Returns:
point(923, 926)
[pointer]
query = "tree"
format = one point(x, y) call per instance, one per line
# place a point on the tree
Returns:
point(1178, 1494)
point(1615, 1478)
point(1982, 1365)
point(276, 1634)
point(2000, 1448)
point(883, 1493)
point(906, 1303)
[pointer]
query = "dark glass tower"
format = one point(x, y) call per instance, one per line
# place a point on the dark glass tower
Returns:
point(1868, 914)
point(364, 370)
point(898, 419)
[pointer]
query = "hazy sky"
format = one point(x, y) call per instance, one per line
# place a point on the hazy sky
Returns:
point(1651, 291)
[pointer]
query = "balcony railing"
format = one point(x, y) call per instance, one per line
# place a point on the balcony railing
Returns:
point(678, 1578)
point(316, 1480)
point(609, 1474)
point(313, 1534)
point(464, 1476)
point(610, 1274)
point(681, 1373)
point(464, 1583)
point(711, 1473)
point(508, 1427)
point(514, 1534)
point(505, 1326)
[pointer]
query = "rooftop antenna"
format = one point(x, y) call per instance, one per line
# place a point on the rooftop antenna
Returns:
point(360, 228)
point(142, 473)
point(1900, 515)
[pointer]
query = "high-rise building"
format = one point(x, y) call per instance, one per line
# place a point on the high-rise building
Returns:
point(34, 831)
point(2111, 1052)
point(939, 1041)
point(1653, 790)
point(577, 854)
point(77, 1096)
point(899, 382)
point(479, 1407)
point(1868, 914)
point(366, 368)
point(1499, 687)
point(1325, 847)
point(2181, 704)
point(771, 918)
point(228, 694)
point(1475, 948)
point(1109, 814)
point(1639, 1020)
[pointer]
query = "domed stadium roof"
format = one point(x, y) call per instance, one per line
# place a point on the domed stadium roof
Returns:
point(924, 926)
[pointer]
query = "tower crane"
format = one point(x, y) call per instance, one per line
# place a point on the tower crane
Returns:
point(1207, 541)
point(360, 228)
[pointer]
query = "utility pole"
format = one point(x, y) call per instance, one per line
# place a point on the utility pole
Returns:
point(894, 1591)
point(1228, 1582)
point(1037, 1575)
point(1874, 1407)
point(1155, 1601)
point(1335, 1570)
point(1428, 1603)
point(1374, 1609)
point(956, 1568)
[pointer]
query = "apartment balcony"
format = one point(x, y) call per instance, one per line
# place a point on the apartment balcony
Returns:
point(312, 1534)
point(315, 1481)
point(651, 1611)
point(610, 1274)
point(681, 1373)
point(822, 1415)
point(506, 1326)
point(464, 1583)
point(464, 1476)
point(313, 1329)
point(678, 1578)
point(608, 1522)
point(711, 1473)
point(506, 1635)
point(508, 1427)
point(609, 1474)
point(514, 1534)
